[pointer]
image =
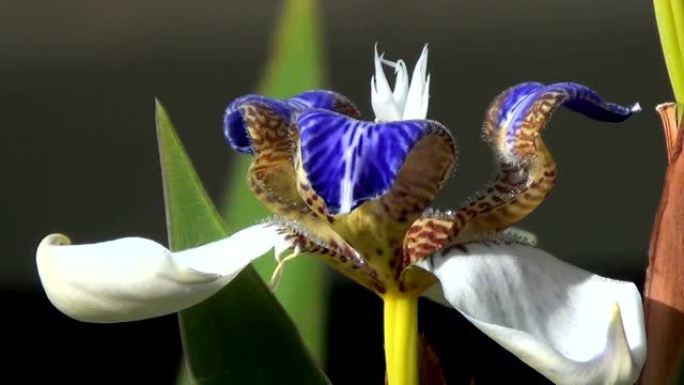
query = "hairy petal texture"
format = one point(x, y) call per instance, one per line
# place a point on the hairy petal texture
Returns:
point(572, 326)
point(237, 133)
point(271, 177)
point(130, 279)
point(372, 179)
point(270, 137)
point(527, 170)
point(348, 162)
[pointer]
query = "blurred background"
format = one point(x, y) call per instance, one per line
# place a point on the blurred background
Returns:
point(77, 83)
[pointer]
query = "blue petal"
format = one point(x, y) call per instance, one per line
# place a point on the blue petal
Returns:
point(586, 101)
point(327, 100)
point(234, 125)
point(514, 107)
point(348, 161)
point(520, 105)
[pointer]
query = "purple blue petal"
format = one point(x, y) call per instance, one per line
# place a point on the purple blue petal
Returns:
point(234, 126)
point(516, 104)
point(520, 105)
point(348, 161)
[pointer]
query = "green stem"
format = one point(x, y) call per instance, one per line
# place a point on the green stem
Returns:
point(401, 338)
point(670, 19)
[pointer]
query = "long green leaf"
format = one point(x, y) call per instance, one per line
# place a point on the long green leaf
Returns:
point(295, 66)
point(241, 335)
point(670, 19)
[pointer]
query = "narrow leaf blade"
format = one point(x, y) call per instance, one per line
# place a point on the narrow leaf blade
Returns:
point(295, 66)
point(241, 335)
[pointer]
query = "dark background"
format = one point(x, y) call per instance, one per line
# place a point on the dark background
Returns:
point(78, 151)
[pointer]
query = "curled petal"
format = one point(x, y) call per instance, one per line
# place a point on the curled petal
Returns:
point(518, 115)
point(131, 279)
point(327, 100)
point(271, 177)
point(527, 171)
point(572, 326)
point(236, 130)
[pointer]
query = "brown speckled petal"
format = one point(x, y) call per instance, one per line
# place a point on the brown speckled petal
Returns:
point(526, 169)
point(362, 152)
point(271, 179)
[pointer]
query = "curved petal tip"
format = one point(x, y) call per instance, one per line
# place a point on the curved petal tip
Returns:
point(572, 326)
point(130, 279)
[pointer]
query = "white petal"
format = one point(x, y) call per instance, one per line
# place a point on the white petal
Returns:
point(419, 91)
point(382, 100)
point(572, 326)
point(521, 236)
point(401, 83)
point(130, 279)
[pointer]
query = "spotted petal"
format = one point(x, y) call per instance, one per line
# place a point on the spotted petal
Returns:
point(519, 114)
point(572, 326)
point(236, 131)
point(130, 279)
point(234, 126)
point(527, 170)
point(383, 100)
point(371, 180)
point(271, 177)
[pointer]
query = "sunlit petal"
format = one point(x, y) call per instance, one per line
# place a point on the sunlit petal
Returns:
point(514, 128)
point(325, 99)
point(347, 161)
point(401, 84)
point(382, 99)
point(527, 171)
point(419, 91)
point(235, 129)
point(572, 326)
point(237, 132)
point(130, 279)
point(524, 109)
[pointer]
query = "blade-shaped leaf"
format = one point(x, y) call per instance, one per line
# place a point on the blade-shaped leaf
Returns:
point(670, 19)
point(241, 335)
point(295, 66)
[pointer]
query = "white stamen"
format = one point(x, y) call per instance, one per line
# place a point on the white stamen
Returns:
point(409, 100)
point(401, 84)
point(382, 99)
point(419, 90)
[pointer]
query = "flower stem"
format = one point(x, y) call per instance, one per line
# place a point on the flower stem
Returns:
point(670, 19)
point(663, 296)
point(401, 338)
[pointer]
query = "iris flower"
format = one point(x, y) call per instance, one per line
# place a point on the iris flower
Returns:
point(357, 194)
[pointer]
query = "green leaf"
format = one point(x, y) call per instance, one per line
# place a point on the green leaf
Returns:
point(241, 335)
point(670, 19)
point(295, 66)
point(183, 376)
